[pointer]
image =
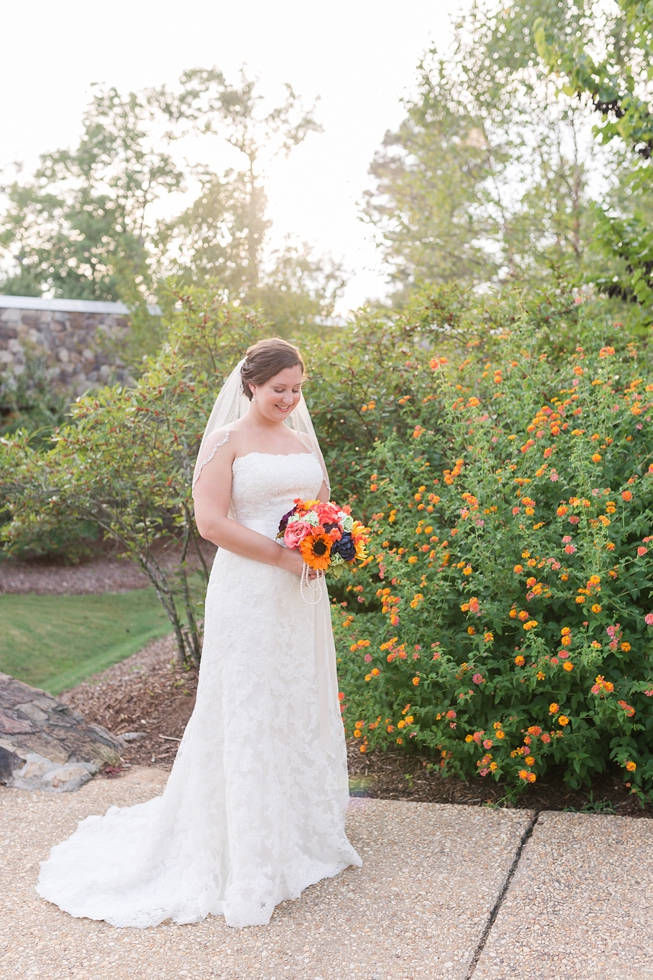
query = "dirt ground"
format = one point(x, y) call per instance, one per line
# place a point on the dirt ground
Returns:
point(403, 776)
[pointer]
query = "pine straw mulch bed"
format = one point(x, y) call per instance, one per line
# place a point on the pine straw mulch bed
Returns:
point(148, 693)
point(151, 694)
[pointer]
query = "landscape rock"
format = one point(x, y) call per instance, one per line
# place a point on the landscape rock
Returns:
point(9, 762)
point(46, 745)
point(40, 773)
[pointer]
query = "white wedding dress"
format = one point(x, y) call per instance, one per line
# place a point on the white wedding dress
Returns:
point(254, 809)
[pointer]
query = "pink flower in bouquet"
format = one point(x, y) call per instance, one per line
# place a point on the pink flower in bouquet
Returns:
point(296, 532)
point(327, 512)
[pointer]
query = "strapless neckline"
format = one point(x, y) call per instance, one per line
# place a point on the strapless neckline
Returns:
point(274, 455)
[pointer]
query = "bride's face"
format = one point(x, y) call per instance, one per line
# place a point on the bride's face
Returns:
point(276, 398)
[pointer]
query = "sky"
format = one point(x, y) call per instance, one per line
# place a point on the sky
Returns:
point(358, 56)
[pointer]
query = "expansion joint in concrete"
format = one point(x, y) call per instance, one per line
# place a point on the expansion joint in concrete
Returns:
point(500, 897)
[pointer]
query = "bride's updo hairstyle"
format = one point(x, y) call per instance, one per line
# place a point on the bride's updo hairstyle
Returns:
point(265, 359)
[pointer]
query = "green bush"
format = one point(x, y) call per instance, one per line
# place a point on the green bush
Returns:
point(30, 404)
point(506, 620)
point(124, 460)
point(28, 400)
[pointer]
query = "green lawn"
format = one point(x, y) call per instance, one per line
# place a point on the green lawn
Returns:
point(54, 642)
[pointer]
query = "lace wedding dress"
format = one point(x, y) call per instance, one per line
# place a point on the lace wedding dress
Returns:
point(254, 809)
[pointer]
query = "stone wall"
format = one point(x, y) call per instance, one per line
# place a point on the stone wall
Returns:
point(74, 335)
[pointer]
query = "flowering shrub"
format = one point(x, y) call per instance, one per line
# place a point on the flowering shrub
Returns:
point(511, 564)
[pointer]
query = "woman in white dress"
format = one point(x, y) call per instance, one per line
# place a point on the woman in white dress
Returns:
point(254, 808)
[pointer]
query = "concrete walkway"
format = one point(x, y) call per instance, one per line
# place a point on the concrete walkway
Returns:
point(446, 893)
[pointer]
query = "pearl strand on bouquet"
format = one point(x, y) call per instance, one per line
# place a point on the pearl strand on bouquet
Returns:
point(311, 585)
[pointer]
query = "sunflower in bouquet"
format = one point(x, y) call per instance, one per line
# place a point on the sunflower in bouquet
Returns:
point(327, 536)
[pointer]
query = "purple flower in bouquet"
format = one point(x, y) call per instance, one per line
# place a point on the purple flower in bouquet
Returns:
point(283, 523)
point(345, 547)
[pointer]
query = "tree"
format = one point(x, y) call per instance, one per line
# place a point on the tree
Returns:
point(608, 65)
point(222, 238)
point(298, 289)
point(79, 227)
point(83, 226)
point(487, 178)
point(208, 104)
point(432, 203)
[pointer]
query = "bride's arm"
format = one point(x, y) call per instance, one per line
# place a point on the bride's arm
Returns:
point(212, 494)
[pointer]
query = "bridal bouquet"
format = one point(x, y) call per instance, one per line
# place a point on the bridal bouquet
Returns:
point(326, 535)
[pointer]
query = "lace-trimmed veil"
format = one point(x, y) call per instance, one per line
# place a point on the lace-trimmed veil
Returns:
point(231, 404)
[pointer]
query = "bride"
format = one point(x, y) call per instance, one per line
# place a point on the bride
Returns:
point(254, 808)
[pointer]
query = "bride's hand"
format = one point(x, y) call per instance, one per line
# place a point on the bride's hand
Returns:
point(293, 562)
